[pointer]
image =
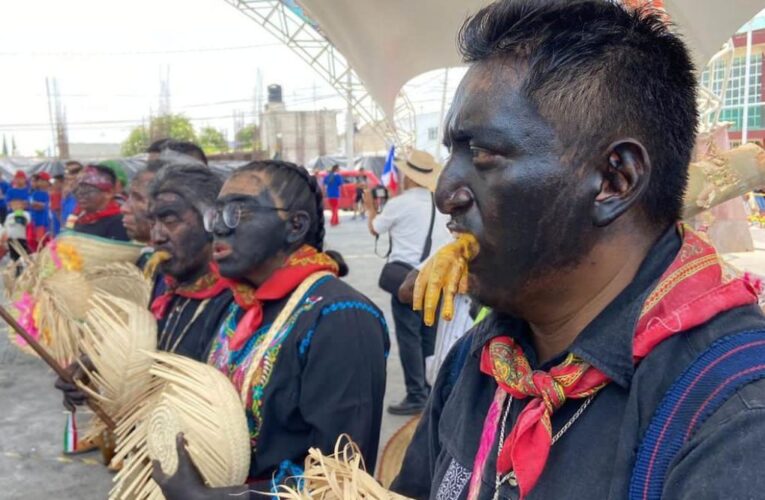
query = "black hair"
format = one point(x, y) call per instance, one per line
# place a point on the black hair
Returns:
point(73, 162)
point(300, 191)
point(193, 182)
point(597, 72)
point(183, 147)
point(107, 172)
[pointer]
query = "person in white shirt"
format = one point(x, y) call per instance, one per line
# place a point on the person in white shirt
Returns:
point(407, 219)
point(15, 229)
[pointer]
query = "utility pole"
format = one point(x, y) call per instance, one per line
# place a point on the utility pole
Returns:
point(349, 123)
point(50, 118)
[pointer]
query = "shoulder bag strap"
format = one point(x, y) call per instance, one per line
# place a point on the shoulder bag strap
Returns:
point(716, 375)
point(429, 239)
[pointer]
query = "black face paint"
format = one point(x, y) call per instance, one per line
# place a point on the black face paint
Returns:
point(260, 235)
point(177, 229)
point(506, 184)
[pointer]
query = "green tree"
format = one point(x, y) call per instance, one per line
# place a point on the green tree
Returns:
point(248, 138)
point(136, 142)
point(174, 126)
point(212, 140)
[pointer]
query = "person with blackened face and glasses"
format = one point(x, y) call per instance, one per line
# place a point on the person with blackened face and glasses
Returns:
point(323, 372)
point(620, 360)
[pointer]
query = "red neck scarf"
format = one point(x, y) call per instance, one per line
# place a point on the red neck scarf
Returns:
point(111, 209)
point(205, 287)
point(300, 265)
point(693, 290)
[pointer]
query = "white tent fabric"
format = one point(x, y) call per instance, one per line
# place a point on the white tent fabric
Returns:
point(392, 41)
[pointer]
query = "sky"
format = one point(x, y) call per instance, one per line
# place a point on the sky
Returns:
point(108, 59)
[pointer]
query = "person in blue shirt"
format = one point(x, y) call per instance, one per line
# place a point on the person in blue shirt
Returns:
point(19, 190)
point(332, 183)
point(40, 208)
point(4, 187)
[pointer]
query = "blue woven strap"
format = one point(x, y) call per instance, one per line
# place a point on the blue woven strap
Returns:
point(703, 387)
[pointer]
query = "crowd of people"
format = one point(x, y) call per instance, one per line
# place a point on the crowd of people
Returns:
point(616, 357)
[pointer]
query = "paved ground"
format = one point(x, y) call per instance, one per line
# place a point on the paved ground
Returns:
point(32, 419)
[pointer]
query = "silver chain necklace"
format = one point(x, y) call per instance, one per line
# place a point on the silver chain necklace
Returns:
point(510, 476)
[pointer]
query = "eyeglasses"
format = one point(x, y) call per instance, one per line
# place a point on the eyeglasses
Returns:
point(232, 212)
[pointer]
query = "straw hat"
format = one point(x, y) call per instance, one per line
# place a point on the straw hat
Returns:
point(189, 397)
point(422, 168)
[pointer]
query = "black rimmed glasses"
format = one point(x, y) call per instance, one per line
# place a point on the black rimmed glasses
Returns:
point(232, 212)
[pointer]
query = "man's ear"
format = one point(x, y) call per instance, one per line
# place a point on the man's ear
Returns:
point(297, 226)
point(623, 177)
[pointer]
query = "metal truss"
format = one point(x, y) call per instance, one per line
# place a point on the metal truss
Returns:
point(305, 39)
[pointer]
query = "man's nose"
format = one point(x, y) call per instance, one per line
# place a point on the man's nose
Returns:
point(452, 195)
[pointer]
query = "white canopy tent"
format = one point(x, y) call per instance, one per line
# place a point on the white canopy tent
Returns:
point(392, 41)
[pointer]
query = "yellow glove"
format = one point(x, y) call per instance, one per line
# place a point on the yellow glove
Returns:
point(445, 273)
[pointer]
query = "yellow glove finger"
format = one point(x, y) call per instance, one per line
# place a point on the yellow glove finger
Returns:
point(463, 288)
point(450, 289)
point(421, 284)
point(433, 291)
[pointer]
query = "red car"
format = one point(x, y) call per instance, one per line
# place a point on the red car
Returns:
point(352, 180)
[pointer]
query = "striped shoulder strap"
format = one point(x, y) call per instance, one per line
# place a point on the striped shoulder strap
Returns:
point(715, 376)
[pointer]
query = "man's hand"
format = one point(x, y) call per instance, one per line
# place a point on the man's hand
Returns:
point(73, 395)
point(187, 482)
point(406, 290)
point(445, 272)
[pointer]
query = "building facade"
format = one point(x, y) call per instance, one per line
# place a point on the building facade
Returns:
point(297, 136)
point(734, 105)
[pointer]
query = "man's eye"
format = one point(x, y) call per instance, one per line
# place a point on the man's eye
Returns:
point(481, 155)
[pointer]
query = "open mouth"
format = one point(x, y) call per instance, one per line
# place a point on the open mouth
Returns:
point(221, 251)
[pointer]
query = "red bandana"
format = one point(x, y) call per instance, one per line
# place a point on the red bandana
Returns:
point(206, 287)
point(692, 291)
point(300, 265)
point(111, 209)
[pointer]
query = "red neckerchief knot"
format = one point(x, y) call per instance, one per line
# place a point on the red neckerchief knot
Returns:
point(298, 266)
point(693, 290)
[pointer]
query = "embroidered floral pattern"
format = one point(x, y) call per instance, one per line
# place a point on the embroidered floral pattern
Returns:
point(453, 482)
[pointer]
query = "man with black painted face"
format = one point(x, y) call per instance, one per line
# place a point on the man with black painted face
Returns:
point(191, 300)
point(614, 363)
point(323, 372)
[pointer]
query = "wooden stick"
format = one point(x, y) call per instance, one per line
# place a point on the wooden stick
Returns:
point(60, 371)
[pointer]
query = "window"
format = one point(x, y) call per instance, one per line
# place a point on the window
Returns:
point(433, 133)
point(733, 101)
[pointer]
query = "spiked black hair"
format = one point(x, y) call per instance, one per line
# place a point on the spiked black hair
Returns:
point(597, 72)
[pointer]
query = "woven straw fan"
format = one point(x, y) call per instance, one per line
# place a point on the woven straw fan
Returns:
point(95, 251)
point(340, 476)
point(193, 398)
point(117, 337)
point(122, 280)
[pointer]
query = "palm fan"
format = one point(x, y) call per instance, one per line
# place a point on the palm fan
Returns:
point(193, 398)
point(340, 476)
point(117, 339)
point(122, 280)
point(393, 454)
point(96, 251)
point(52, 294)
